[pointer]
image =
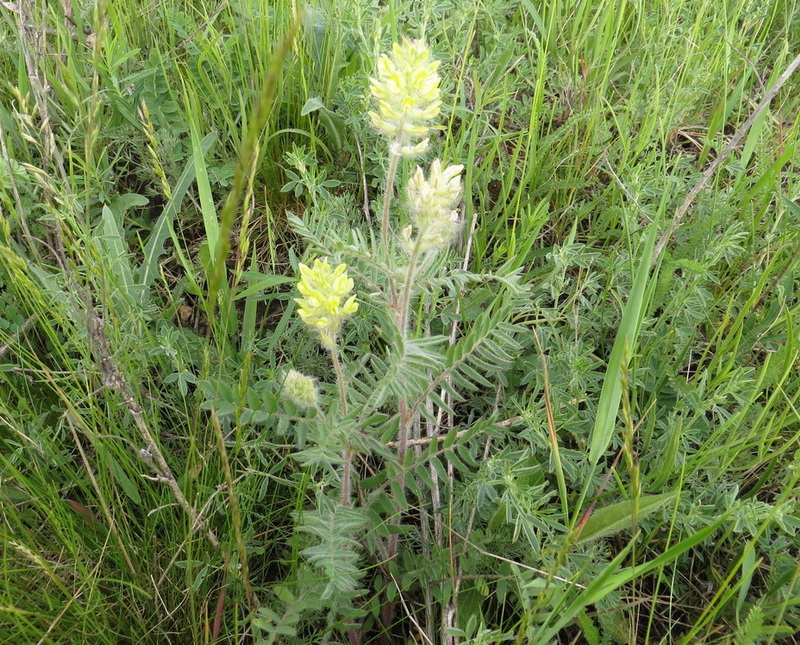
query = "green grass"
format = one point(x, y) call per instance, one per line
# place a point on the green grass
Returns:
point(642, 489)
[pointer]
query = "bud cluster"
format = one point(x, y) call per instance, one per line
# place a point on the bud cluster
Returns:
point(300, 390)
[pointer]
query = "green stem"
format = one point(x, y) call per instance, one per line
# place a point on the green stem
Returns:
point(404, 409)
point(347, 452)
point(394, 160)
point(337, 367)
point(552, 434)
point(236, 519)
point(405, 298)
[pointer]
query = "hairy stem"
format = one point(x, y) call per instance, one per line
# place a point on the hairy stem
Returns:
point(337, 367)
point(347, 454)
point(394, 160)
point(404, 409)
point(405, 298)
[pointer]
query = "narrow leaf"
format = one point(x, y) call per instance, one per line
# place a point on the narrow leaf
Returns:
point(613, 578)
point(210, 221)
point(618, 517)
point(154, 248)
point(610, 396)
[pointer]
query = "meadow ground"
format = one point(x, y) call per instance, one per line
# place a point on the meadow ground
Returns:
point(576, 424)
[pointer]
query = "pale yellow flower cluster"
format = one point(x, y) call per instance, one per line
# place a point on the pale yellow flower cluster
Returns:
point(323, 289)
point(300, 390)
point(407, 91)
point(433, 203)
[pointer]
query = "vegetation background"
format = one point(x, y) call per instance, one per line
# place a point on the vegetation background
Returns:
point(147, 479)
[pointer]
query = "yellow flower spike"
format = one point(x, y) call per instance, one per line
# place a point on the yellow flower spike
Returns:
point(407, 92)
point(433, 203)
point(323, 289)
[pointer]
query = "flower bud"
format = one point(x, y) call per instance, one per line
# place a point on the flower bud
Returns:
point(300, 390)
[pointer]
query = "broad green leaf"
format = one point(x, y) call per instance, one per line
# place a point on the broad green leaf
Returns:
point(669, 556)
point(124, 203)
point(612, 578)
point(590, 632)
point(120, 476)
point(312, 105)
point(770, 175)
point(112, 242)
point(749, 566)
point(263, 282)
point(198, 579)
point(618, 517)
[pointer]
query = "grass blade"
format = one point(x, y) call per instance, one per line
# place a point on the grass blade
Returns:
point(610, 395)
point(154, 248)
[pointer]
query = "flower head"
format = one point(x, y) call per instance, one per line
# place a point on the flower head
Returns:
point(433, 204)
point(407, 91)
point(300, 390)
point(323, 289)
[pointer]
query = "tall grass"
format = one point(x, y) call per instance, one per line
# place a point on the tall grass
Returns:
point(640, 487)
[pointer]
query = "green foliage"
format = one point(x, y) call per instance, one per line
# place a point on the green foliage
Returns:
point(550, 377)
point(336, 554)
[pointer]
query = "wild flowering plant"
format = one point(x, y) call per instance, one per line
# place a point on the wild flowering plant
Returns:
point(407, 92)
point(399, 388)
